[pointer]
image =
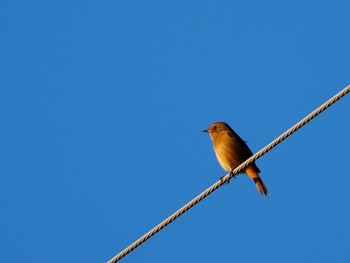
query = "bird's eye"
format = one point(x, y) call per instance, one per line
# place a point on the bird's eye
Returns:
point(215, 127)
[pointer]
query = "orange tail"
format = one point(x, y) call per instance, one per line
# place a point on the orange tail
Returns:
point(254, 174)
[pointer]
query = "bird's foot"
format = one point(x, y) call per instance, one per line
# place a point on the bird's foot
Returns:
point(222, 180)
point(233, 175)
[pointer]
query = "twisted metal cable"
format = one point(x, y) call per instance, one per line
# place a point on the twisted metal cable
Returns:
point(227, 177)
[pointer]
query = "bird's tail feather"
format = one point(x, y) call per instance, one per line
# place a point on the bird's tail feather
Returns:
point(252, 173)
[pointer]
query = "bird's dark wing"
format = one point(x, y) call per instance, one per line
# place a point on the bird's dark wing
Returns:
point(241, 148)
point(242, 151)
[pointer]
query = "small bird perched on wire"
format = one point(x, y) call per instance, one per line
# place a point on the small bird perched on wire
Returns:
point(231, 151)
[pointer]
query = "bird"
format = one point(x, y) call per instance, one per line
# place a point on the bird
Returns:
point(231, 151)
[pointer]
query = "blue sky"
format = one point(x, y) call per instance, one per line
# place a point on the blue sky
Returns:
point(102, 106)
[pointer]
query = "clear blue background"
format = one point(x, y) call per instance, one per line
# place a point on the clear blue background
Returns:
point(102, 106)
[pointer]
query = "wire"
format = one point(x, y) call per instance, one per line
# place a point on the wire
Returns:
point(227, 177)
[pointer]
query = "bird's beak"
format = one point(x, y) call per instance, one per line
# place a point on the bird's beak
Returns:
point(205, 130)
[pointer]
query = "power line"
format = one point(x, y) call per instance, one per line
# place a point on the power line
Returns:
point(227, 177)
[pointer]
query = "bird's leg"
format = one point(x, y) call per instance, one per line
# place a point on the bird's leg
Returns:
point(222, 180)
point(233, 175)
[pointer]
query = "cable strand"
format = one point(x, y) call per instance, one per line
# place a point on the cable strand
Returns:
point(227, 177)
